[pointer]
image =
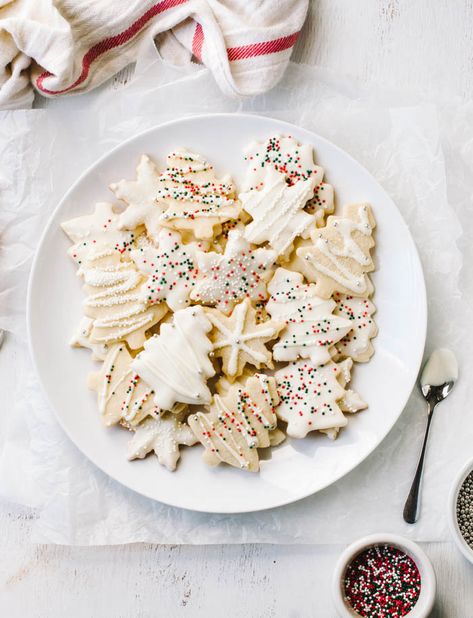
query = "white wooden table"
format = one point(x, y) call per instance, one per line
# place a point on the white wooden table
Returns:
point(418, 45)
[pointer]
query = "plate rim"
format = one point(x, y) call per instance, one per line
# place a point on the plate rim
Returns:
point(422, 306)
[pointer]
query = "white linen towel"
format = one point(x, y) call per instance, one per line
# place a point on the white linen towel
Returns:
point(62, 47)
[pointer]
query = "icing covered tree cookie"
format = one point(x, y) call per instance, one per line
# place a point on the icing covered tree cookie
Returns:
point(238, 423)
point(239, 340)
point(171, 269)
point(194, 198)
point(311, 328)
point(239, 273)
point(163, 435)
point(140, 195)
point(277, 211)
point(296, 162)
point(114, 300)
point(176, 362)
point(339, 259)
point(359, 311)
point(309, 397)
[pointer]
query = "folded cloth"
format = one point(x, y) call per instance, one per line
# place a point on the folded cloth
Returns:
point(65, 47)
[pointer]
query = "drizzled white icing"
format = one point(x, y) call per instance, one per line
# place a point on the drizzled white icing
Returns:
point(240, 336)
point(308, 398)
point(193, 194)
point(277, 210)
point(175, 363)
point(238, 423)
point(163, 435)
point(171, 268)
point(311, 328)
point(359, 311)
point(121, 394)
point(240, 272)
point(296, 162)
point(81, 339)
point(346, 261)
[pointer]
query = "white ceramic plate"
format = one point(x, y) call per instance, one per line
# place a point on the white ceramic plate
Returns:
point(298, 468)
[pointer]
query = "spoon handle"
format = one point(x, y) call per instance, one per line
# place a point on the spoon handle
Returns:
point(410, 508)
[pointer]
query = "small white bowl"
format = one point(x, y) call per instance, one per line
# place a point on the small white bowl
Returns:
point(426, 600)
point(462, 545)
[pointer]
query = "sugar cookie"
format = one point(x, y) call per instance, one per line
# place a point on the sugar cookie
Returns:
point(296, 161)
point(176, 362)
point(163, 435)
point(277, 211)
point(140, 195)
point(238, 340)
point(171, 269)
point(309, 397)
point(311, 328)
point(340, 255)
point(359, 311)
point(195, 199)
point(240, 272)
point(81, 339)
point(238, 423)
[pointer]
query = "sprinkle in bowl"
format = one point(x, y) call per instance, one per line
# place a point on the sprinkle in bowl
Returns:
point(460, 510)
point(384, 575)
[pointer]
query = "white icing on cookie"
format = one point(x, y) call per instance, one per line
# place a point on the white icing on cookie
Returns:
point(163, 435)
point(240, 272)
point(311, 328)
point(175, 363)
point(97, 232)
point(114, 298)
point(81, 339)
point(194, 197)
point(296, 162)
point(359, 312)
point(238, 423)
point(277, 211)
point(308, 398)
point(241, 338)
point(140, 195)
point(171, 268)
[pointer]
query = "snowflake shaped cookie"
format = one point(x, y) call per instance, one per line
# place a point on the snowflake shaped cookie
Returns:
point(239, 340)
point(239, 273)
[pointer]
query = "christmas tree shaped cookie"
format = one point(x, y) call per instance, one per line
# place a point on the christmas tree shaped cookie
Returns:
point(309, 398)
point(240, 272)
point(339, 259)
point(277, 211)
point(311, 328)
point(296, 162)
point(163, 435)
point(114, 300)
point(176, 362)
point(238, 423)
point(121, 394)
point(359, 311)
point(194, 198)
point(239, 340)
point(171, 270)
point(140, 195)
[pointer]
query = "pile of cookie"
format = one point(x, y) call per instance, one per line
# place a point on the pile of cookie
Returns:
point(230, 319)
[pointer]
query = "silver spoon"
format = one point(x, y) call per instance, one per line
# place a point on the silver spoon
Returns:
point(436, 383)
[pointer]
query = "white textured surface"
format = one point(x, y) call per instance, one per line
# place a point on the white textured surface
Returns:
point(417, 45)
